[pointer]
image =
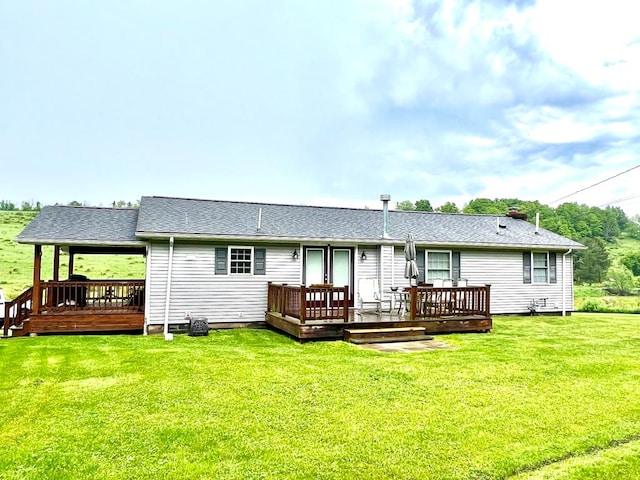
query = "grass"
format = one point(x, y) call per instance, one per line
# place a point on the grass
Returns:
point(540, 397)
point(590, 298)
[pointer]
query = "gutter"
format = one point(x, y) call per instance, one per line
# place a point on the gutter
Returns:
point(564, 283)
point(351, 241)
point(168, 292)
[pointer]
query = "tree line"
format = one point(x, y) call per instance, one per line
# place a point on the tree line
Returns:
point(33, 206)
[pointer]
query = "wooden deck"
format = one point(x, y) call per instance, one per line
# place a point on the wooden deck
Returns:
point(86, 321)
point(77, 306)
point(456, 310)
point(334, 329)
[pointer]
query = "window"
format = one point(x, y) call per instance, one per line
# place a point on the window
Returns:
point(239, 260)
point(438, 265)
point(539, 267)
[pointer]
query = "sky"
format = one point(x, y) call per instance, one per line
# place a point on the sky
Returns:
point(320, 102)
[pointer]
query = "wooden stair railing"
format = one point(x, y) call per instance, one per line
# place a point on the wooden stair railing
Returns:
point(18, 310)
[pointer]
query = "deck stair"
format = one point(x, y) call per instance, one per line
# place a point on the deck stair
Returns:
point(384, 335)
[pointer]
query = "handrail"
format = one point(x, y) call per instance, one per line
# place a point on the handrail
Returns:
point(17, 310)
point(316, 302)
point(436, 302)
point(92, 295)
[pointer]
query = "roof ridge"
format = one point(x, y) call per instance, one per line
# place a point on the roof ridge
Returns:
point(241, 202)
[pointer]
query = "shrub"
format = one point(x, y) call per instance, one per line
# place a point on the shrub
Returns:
point(591, 305)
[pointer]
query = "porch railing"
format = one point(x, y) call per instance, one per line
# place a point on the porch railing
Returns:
point(434, 302)
point(316, 302)
point(92, 295)
point(17, 310)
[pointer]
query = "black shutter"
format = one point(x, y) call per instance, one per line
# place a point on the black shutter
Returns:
point(420, 254)
point(553, 278)
point(455, 268)
point(259, 261)
point(526, 267)
point(221, 260)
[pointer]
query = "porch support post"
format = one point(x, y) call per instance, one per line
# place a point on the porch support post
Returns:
point(71, 257)
point(37, 266)
point(56, 263)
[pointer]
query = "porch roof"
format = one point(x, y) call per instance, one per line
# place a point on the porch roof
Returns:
point(67, 225)
point(162, 217)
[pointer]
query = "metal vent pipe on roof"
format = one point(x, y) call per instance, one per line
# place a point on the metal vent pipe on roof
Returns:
point(385, 197)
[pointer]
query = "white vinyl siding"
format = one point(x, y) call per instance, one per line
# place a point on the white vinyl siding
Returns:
point(242, 298)
point(503, 271)
point(197, 289)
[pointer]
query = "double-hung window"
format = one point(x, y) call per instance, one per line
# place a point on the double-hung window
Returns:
point(539, 267)
point(438, 265)
point(237, 260)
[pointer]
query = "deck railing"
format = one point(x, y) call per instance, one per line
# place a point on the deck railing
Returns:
point(17, 310)
point(92, 295)
point(449, 301)
point(315, 302)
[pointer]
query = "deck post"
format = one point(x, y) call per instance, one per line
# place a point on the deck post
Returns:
point(37, 266)
point(303, 303)
point(283, 303)
point(56, 263)
point(345, 303)
point(487, 303)
point(413, 304)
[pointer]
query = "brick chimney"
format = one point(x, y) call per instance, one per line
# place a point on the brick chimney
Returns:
point(514, 213)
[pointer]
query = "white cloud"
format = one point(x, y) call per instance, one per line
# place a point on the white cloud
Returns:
point(327, 101)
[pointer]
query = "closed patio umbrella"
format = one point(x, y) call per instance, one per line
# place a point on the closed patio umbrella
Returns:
point(411, 268)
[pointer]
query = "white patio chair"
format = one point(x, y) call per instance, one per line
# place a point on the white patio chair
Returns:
point(369, 293)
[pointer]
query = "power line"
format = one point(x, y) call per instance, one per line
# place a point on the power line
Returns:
point(621, 200)
point(595, 184)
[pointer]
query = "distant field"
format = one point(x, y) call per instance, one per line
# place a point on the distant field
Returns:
point(16, 260)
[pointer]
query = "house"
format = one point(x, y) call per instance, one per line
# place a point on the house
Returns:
point(233, 261)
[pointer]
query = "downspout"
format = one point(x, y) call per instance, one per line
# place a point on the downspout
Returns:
point(564, 282)
point(147, 290)
point(168, 292)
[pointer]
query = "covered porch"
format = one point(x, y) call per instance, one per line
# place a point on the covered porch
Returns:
point(77, 304)
point(322, 312)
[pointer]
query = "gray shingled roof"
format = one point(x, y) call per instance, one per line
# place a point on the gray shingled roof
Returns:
point(65, 225)
point(210, 219)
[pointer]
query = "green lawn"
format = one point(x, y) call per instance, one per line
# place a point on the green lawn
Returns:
point(540, 397)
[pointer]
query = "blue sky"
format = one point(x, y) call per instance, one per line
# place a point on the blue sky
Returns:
point(320, 102)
